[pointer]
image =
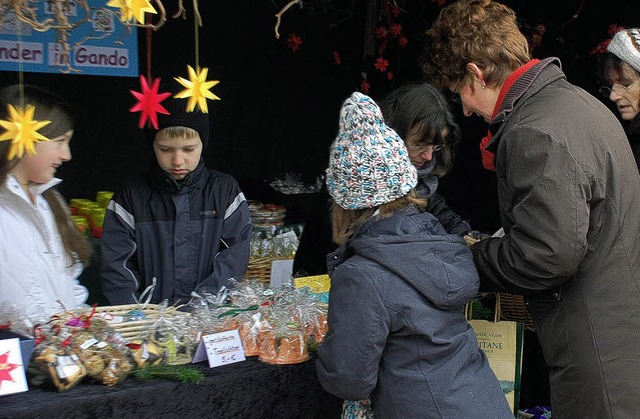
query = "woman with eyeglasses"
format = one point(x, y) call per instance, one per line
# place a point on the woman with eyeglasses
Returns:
point(569, 199)
point(620, 75)
point(421, 116)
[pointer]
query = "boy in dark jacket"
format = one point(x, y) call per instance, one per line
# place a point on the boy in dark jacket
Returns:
point(180, 225)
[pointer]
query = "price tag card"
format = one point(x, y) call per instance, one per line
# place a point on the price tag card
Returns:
point(281, 272)
point(220, 348)
point(317, 283)
point(12, 377)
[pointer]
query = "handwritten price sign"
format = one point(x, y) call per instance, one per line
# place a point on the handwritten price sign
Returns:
point(220, 348)
point(228, 359)
point(318, 283)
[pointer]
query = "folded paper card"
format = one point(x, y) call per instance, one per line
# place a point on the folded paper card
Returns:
point(12, 376)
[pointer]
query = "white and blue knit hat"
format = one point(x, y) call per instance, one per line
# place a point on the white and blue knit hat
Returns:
point(369, 164)
point(626, 46)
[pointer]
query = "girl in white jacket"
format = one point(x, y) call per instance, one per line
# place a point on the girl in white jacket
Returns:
point(41, 252)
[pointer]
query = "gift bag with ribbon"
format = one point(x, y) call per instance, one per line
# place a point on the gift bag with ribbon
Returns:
point(502, 342)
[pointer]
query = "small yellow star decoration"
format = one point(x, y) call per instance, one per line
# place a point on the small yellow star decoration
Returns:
point(130, 9)
point(22, 130)
point(197, 89)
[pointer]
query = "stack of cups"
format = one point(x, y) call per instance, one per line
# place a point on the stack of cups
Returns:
point(97, 214)
point(88, 215)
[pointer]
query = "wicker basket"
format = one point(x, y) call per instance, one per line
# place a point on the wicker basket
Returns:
point(508, 307)
point(513, 308)
point(260, 268)
point(137, 329)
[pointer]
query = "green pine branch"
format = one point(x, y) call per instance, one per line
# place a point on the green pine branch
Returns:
point(183, 373)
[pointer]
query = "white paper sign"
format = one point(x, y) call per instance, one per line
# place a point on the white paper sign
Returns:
point(12, 378)
point(220, 348)
point(281, 272)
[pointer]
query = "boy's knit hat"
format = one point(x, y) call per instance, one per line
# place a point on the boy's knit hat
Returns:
point(626, 46)
point(369, 164)
point(178, 116)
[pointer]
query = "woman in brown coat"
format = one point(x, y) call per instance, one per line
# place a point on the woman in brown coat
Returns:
point(569, 197)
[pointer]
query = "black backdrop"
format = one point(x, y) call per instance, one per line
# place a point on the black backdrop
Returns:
point(278, 112)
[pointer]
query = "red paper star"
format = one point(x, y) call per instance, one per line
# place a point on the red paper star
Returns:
point(294, 42)
point(403, 41)
point(614, 29)
point(600, 48)
point(337, 60)
point(390, 75)
point(439, 2)
point(381, 64)
point(6, 367)
point(149, 102)
point(395, 11)
point(396, 29)
point(365, 86)
point(381, 32)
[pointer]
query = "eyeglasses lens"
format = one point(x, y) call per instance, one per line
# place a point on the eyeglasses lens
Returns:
point(605, 91)
point(432, 148)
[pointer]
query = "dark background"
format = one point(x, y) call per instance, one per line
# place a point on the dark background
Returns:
point(279, 108)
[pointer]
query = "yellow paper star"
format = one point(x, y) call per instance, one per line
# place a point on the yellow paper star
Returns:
point(139, 7)
point(197, 89)
point(125, 13)
point(22, 130)
point(130, 9)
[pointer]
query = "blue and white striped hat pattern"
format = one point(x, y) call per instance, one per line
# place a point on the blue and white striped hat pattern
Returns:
point(369, 164)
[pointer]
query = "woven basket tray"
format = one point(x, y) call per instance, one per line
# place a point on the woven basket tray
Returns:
point(260, 268)
point(139, 328)
point(513, 308)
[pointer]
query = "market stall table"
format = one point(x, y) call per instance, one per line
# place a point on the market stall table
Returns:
point(248, 389)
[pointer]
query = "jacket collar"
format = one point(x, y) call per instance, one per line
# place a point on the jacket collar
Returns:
point(528, 84)
point(164, 182)
point(12, 185)
point(345, 251)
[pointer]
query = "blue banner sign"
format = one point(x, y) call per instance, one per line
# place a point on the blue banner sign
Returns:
point(67, 36)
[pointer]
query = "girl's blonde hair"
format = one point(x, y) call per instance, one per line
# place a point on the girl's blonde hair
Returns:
point(345, 222)
point(48, 107)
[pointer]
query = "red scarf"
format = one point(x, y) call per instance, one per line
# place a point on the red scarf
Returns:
point(487, 156)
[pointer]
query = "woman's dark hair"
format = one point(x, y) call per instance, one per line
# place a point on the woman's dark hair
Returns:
point(609, 63)
point(48, 107)
point(422, 105)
